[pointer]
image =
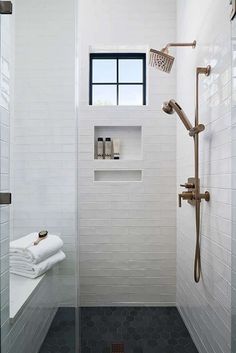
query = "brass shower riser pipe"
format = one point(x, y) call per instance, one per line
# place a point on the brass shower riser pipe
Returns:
point(199, 71)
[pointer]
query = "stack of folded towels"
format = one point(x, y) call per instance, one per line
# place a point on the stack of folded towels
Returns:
point(29, 260)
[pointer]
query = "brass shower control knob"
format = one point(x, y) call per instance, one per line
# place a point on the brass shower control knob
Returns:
point(205, 196)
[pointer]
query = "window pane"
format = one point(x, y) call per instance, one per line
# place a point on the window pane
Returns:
point(130, 95)
point(104, 95)
point(130, 70)
point(104, 71)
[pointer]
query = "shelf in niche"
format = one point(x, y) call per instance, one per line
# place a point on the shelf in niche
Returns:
point(130, 141)
point(117, 163)
point(117, 175)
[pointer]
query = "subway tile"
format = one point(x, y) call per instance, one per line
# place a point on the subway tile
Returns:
point(205, 307)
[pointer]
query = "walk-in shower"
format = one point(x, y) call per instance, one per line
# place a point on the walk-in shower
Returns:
point(96, 256)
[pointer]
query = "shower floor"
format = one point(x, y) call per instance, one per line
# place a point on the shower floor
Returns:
point(61, 335)
point(140, 329)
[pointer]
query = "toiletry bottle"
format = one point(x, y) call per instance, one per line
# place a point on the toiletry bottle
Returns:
point(108, 148)
point(100, 148)
point(116, 148)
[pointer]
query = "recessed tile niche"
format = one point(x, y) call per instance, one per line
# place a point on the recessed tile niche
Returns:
point(118, 175)
point(130, 140)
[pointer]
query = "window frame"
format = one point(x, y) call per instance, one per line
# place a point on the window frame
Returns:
point(117, 56)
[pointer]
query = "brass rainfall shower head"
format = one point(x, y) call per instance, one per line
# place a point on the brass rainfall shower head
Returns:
point(162, 60)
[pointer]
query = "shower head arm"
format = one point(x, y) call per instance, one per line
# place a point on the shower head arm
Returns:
point(193, 45)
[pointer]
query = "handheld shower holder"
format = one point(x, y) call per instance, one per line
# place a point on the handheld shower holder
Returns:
point(196, 130)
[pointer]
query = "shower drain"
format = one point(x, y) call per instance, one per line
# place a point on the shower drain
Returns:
point(117, 348)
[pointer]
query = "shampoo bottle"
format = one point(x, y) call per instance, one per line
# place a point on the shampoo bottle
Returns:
point(100, 148)
point(116, 148)
point(108, 148)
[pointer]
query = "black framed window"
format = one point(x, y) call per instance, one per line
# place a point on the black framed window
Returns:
point(117, 79)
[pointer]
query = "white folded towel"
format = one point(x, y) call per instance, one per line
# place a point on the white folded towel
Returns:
point(25, 249)
point(27, 269)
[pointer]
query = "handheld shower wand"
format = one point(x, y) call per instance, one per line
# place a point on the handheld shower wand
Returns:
point(162, 60)
point(172, 106)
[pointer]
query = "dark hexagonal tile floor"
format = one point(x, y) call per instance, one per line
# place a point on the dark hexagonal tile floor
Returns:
point(141, 329)
point(61, 335)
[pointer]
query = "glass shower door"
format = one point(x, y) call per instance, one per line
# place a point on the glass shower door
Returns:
point(38, 165)
point(233, 117)
point(5, 199)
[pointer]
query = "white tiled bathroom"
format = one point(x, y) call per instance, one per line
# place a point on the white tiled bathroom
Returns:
point(117, 173)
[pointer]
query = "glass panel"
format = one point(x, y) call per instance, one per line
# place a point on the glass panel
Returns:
point(4, 179)
point(39, 285)
point(131, 70)
point(233, 244)
point(104, 71)
point(131, 95)
point(104, 95)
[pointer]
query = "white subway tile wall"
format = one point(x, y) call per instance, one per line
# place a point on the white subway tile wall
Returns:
point(206, 306)
point(127, 230)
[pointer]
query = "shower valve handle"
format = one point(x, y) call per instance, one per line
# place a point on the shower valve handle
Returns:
point(188, 185)
point(185, 195)
point(180, 200)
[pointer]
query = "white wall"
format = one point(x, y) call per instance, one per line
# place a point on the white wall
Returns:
point(44, 182)
point(127, 229)
point(205, 307)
